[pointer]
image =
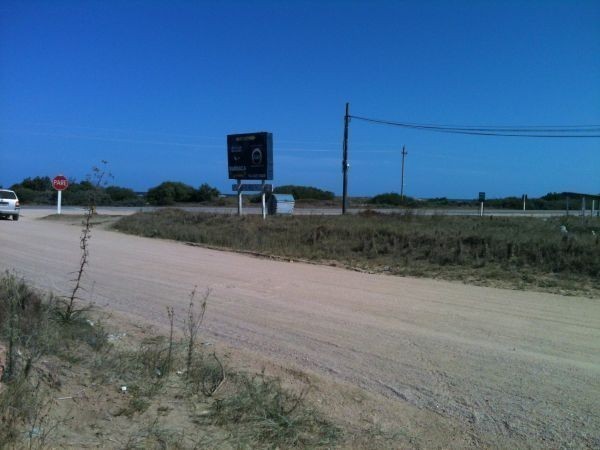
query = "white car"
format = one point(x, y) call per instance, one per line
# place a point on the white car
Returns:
point(9, 204)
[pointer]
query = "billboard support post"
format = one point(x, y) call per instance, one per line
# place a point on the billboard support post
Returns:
point(239, 195)
point(264, 205)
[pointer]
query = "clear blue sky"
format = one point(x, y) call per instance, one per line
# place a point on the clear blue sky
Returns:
point(155, 86)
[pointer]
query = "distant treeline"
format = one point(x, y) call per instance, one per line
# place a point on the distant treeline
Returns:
point(550, 201)
point(38, 190)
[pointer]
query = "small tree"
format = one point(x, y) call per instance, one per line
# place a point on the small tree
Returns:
point(206, 193)
point(170, 192)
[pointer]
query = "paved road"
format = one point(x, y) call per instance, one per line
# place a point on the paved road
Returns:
point(320, 211)
point(520, 368)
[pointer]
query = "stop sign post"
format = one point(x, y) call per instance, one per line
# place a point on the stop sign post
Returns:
point(60, 183)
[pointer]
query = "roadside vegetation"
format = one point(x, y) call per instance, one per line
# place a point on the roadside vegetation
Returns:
point(522, 253)
point(393, 199)
point(551, 201)
point(38, 190)
point(76, 383)
point(67, 381)
point(171, 192)
point(305, 192)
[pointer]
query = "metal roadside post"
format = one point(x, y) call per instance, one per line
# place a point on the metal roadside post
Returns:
point(481, 200)
point(239, 195)
point(264, 205)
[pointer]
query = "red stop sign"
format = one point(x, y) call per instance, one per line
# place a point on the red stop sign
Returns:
point(60, 183)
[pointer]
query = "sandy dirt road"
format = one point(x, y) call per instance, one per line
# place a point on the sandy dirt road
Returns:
point(517, 368)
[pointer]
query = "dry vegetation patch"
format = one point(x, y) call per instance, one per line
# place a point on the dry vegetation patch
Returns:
point(520, 252)
point(77, 383)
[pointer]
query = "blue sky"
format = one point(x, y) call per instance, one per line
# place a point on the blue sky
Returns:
point(154, 88)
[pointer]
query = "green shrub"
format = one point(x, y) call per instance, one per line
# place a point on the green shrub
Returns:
point(392, 199)
point(119, 194)
point(169, 193)
point(205, 193)
point(304, 192)
point(260, 411)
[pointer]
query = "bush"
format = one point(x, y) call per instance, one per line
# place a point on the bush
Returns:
point(120, 194)
point(206, 193)
point(393, 199)
point(170, 192)
point(34, 190)
point(39, 184)
point(305, 192)
point(27, 195)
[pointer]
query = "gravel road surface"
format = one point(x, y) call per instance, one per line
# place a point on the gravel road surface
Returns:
point(304, 210)
point(518, 367)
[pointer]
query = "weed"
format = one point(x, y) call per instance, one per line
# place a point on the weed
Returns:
point(206, 375)
point(70, 309)
point(28, 324)
point(191, 326)
point(155, 436)
point(253, 411)
point(266, 414)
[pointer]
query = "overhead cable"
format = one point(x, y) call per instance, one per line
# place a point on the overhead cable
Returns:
point(538, 131)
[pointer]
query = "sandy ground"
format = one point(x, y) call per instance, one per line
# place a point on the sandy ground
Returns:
point(506, 368)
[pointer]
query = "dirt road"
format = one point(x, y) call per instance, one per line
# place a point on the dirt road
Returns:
point(517, 368)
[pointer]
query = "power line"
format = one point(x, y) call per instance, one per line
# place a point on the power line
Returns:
point(568, 131)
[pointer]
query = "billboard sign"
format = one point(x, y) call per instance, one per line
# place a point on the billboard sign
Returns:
point(250, 156)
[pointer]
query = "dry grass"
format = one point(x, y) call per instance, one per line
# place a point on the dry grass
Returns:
point(151, 391)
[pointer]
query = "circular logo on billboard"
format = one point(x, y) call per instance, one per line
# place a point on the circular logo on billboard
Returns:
point(257, 156)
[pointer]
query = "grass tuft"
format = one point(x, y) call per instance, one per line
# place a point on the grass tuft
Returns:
point(260, 411)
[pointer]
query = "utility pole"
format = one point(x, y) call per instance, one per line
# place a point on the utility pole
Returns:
point(345, 160)
point(404, 153)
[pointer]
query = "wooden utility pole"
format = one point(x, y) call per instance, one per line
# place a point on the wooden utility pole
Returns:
point(345, 160)
point(404, 153)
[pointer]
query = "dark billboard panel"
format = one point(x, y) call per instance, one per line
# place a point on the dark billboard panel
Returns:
point(250, 156)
